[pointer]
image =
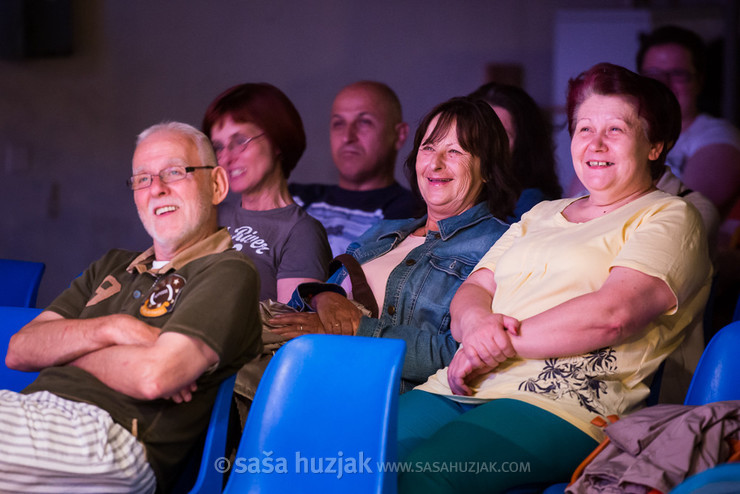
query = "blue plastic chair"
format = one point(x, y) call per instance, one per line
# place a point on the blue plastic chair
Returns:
point(716, 379)
point(210, 479)
point(11, 320)
point(556, 488)
point(19, 282)
point(323, 419)
point(722, 479)
point(717, 376)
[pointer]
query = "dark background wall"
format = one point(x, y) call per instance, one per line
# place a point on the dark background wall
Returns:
point(68, 123)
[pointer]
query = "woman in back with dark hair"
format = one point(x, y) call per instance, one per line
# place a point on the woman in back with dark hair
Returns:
point(530, 142)
point(258, 137)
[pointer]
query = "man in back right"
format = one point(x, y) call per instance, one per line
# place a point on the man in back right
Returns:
point(366, 132)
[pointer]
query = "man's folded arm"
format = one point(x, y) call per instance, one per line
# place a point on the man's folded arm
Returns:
point(148, 372)
point(50, 339)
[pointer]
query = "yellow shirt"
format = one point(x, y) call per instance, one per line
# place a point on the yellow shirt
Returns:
point(545, 260)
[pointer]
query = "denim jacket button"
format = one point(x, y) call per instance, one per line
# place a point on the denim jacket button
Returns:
point(391, 309)
point(410, 262)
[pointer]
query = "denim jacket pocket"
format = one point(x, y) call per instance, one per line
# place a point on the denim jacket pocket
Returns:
point(441, 282)
point(454, 266)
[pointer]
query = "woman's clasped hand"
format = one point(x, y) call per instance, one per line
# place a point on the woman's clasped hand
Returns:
point(335, 314)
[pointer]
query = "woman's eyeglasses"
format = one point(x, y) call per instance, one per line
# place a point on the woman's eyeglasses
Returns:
point(237, 143)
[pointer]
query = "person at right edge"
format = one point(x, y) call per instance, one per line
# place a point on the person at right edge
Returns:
point(706, 156)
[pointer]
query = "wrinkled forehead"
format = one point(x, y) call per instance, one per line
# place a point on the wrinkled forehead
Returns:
point(440, 126)
point(616, 105)
point(625, 107)
point(162, 150)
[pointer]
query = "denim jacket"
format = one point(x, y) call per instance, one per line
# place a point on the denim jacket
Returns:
point(416, 305)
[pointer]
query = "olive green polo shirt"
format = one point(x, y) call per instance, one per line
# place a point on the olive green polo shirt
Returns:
point(209, 292)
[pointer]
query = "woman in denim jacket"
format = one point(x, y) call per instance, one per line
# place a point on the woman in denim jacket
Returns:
point(460, 167)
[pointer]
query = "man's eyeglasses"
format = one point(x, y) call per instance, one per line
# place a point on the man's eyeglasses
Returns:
point(168, 175)
point(238, 143)
point(665, 76)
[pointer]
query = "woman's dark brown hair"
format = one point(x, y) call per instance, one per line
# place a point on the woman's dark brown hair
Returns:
point(480, 133)
point(533, 152)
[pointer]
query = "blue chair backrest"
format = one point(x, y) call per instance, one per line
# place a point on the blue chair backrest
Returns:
point(323, 419)
point(716, 379)
point(717, 375)
point(721, 479)
point(11, 320)
point(210, 477)
point(19, 282)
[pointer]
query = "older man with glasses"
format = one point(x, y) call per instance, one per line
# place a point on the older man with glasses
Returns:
point(131, 355)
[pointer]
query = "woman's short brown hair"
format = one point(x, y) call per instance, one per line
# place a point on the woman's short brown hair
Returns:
point(654, 103)
point(267, 107)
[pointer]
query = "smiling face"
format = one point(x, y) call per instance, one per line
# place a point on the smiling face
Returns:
point(253, 170)
point(178, 214)
point(364, 137)
point(449, 177)
point(610, 149)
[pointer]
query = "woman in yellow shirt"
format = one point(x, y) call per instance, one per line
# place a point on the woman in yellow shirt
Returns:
point(570, 312)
